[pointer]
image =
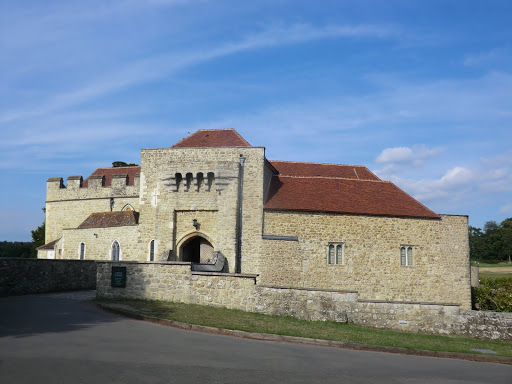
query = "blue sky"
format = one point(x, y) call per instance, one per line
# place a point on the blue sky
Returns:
point(418, 91)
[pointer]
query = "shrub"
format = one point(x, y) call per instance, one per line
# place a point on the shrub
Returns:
point(494, 294)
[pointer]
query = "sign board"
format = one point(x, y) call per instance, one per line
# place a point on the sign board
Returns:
point(118, 277)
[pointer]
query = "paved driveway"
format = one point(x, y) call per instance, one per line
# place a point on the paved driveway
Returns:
point(65, 338)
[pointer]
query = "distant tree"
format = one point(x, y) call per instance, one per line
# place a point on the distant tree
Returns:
point(117, 164)
point(15, 249)
point(506, 240)
point(493, 243)
point(38, 237)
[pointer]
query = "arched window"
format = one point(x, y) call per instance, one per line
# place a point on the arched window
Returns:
point(152, 250)
point(82, 251)
point(115, 251)
point(335, 253)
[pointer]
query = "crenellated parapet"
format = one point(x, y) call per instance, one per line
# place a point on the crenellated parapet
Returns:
point(95, 188)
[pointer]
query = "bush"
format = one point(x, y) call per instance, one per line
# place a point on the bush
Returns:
point(494, 294)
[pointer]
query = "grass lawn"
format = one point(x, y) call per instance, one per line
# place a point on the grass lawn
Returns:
point(327, 330)
point(488, 265)
point(495, 270)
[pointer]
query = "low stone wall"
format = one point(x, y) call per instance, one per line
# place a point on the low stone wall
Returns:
point(176, 282)
point(25, 276)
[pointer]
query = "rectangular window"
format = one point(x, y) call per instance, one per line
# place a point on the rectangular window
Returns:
point(406, 255)
point(335, 253)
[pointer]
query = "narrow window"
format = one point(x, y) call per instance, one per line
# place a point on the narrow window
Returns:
point(406, 255)
point(339, 254)
point(82, 251)
point(403, 260)
point(115, 251)
point(152, 250)
point(331, 254)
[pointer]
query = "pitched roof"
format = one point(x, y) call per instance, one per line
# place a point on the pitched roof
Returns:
point(110, 219)
point(294, 168)
point(212, 138)
point(343, 195)
point(111, 171)
point(49, 246)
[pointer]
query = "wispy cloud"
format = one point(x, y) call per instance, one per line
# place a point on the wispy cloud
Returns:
point(163, 65)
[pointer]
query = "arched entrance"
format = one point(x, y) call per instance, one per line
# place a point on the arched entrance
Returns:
point(197, 250)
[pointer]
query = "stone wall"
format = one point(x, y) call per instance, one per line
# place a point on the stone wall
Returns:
point(440, 270)
point(98, 243)
point(67, 206)
point(176, 282)
point(25, 276)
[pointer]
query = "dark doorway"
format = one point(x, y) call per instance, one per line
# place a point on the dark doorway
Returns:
point(197, 250)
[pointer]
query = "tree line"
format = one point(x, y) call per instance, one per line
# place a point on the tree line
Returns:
point(493, 243)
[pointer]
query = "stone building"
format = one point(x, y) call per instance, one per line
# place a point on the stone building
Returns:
point(216, 202)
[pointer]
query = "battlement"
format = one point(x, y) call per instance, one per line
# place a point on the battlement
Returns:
point(76, 189)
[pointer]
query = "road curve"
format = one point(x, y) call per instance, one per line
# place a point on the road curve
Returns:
point(65, 338)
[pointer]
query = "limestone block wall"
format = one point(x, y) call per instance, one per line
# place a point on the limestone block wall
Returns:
point(175, 282)
point(281, 264)
point(371, 260)
point(98, 243)
point(180, 184)
point(67, 206)
point(26, 276)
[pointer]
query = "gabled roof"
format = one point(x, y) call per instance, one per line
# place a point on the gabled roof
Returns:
point(48, 246)
point(294, 168)
point(111, 171)
point(110, 219)
point(343, 195)
point(212, 138)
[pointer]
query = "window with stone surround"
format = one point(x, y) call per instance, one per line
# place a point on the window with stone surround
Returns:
point(406, 255)
point(82, 251)
point(335, 253)
point(115, 251)
point(152, 250)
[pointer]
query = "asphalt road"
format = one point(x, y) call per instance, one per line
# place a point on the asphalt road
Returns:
point(65, 338)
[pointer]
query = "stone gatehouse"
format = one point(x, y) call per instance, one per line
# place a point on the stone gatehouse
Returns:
point(214, 201)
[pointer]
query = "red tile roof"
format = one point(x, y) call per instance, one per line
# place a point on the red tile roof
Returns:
point(109, 172)
point(343, 195)
point(212, 138)
point(293, 168)
point(110, 219)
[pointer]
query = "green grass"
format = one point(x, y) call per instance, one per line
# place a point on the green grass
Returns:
point(327, 330)
point(493, 265)
point(494, 275)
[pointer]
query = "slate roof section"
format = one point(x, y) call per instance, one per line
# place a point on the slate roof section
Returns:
point(343, 195)
point(49, 246)
point(293, 168)
point(109, 172)
point(212, 138)
point(110, 219)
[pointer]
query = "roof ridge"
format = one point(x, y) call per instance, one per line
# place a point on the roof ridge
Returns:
point(128, 166)
point(333, 178)
point(308, 162)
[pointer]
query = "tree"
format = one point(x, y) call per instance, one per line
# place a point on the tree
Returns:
point(506, 240)
point(38, 235)
point(117, 164)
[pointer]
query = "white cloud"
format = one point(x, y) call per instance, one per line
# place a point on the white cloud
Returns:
point(395, 155)
point(405, 156)
point(506, 209)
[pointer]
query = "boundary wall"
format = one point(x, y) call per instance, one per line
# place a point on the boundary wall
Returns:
point(26, 276)
point(176, 282)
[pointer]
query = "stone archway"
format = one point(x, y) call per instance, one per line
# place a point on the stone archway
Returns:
point(196, 250)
